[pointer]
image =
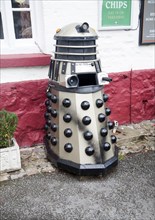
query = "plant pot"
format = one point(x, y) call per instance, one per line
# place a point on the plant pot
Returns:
point(10, 158)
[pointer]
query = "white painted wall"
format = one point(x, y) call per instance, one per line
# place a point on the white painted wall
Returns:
point(23, 73)
point(119, 50)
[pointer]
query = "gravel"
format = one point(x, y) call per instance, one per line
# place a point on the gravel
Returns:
point(126, 193)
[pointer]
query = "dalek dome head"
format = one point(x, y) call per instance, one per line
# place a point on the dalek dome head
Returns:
point(76, 30)
point(76, 41)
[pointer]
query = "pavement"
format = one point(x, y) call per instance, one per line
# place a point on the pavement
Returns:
point(39, 191)
point(126, 193)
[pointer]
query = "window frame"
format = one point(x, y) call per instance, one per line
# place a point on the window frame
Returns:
point(11, 45)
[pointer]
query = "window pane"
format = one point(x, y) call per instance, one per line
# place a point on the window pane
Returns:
point(1, 28)
point(22, 24)
point(20, 3)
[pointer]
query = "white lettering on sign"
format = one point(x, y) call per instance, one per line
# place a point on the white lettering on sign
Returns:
point(152, 14)
point(116, 4)
point(151, 1)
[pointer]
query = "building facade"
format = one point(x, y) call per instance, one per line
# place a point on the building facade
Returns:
point(27, 30)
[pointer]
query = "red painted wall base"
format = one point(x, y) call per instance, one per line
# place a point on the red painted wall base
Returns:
point(131, 100)
point(132, 96)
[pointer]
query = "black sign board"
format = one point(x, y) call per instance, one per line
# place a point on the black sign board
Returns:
point(147, 22)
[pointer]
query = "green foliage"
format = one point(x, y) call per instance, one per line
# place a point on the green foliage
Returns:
point(121, 156)
point(8, 124)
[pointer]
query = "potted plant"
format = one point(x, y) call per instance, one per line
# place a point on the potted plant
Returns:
point(9, 149)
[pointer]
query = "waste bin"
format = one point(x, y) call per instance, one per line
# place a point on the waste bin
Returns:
point(79, 136)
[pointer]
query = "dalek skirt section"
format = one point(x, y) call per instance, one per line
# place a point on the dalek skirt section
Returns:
point(79, 135)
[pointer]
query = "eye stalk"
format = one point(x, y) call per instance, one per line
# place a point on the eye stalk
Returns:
point(84, 27)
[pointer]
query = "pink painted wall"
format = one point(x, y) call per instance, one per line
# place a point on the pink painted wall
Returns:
point(27, 100)
point(132, 96)
point(131, 99)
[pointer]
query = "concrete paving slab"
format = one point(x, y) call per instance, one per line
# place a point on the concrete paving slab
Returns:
point(126, 193)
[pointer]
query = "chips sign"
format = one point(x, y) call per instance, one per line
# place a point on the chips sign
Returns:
point(115, 14)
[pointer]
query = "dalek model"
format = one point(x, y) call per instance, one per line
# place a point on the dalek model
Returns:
point(79, 135)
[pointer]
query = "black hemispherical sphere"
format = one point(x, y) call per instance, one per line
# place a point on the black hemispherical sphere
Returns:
point(86, 120)
point(48, 135)
point(48, 95)
point(110, 125)
point(47, 115)
point(54, 113)
point(68, 147)
point(103, 132)
point(46, 127)
point(54, 99)
point(68, 132)
point(67, 118)
point(108, 111)
point(54, 127)
point(47, 102)
point(101, 117)
point(89, 150)
point(106, 146)
point(54, 141)
point(48, 122)
point(105, 97)
point(88, 135)
point(66, 103)
point(49, 109)
point(113, 139)
point(85, 105)
point(99, 103)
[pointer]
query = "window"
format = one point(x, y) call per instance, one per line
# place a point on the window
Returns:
point(1, 28)
point(21, 18)
point(20, 26)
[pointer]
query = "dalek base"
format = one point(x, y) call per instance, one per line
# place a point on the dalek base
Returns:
point(81, 169)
